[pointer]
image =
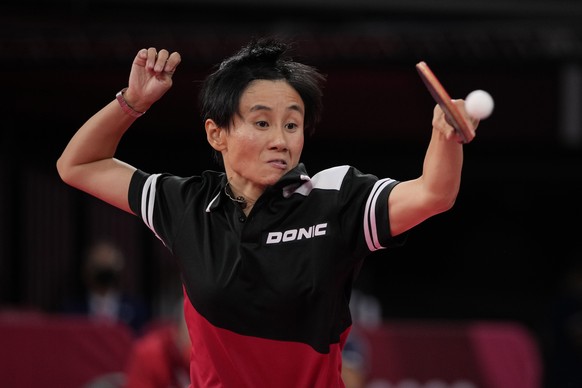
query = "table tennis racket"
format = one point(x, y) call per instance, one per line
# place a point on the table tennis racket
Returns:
point(440, 95)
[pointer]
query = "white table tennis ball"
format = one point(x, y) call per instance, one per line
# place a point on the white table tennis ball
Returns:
point(479, 104)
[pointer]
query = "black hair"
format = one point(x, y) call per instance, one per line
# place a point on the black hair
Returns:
point(261, 59)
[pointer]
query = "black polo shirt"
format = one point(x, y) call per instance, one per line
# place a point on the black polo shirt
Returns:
point(275, 282)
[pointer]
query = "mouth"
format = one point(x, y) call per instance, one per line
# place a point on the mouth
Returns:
point(279, 164)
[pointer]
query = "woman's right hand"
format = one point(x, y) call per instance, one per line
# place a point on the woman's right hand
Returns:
point(150, 77)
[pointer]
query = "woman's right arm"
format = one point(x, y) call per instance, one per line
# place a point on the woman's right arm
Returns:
point(87, 162)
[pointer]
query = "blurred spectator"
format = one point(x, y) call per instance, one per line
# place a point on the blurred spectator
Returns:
point(161, 357)
point(103, 297)
point(366, 309)
point(355, 360)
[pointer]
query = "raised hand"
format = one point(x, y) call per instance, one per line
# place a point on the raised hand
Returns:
point(150, 77)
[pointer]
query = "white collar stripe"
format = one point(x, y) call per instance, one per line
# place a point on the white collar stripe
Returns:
point(211, 202)
point(330, 179)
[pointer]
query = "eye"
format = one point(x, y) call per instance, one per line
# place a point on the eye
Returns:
point(262, 124)
point(291, 127)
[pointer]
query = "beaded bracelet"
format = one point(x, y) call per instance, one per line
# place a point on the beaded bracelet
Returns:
point(125, 106)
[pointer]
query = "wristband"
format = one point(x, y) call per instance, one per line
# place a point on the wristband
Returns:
point(125, 106)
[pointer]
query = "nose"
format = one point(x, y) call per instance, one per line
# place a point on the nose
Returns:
point(278, 139)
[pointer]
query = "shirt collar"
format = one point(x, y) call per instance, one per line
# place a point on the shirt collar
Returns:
point(288, 182)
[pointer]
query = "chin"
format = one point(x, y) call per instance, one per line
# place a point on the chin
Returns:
point(272, 179)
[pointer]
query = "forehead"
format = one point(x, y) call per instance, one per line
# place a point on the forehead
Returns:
point(269, 93)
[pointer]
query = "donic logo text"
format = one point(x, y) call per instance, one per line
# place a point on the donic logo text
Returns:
point(297, 234)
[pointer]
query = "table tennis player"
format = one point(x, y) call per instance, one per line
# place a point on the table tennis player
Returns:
point(267, 250)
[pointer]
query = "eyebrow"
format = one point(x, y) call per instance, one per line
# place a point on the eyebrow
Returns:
point(294, 107)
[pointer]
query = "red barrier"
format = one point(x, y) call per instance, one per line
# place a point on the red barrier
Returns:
point(38, 350)
point(480, 354)
point(66, 352)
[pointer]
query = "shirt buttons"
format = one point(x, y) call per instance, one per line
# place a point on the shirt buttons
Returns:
point(242, 219)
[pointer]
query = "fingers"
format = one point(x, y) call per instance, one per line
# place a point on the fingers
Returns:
point(172, 63)
point(161, 61)
point(141, 58)
point(442, 123)
point(445, 126)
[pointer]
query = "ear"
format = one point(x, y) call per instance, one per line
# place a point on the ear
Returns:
point(215, 135)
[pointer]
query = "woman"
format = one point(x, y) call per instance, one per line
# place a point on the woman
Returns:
point(267, 252)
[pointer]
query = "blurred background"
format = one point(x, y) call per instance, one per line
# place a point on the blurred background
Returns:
point(510, 250)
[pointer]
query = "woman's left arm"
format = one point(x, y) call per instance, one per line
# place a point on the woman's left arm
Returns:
point(435, 191)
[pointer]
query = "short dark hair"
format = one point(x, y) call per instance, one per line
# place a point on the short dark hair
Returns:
point(261, 59)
